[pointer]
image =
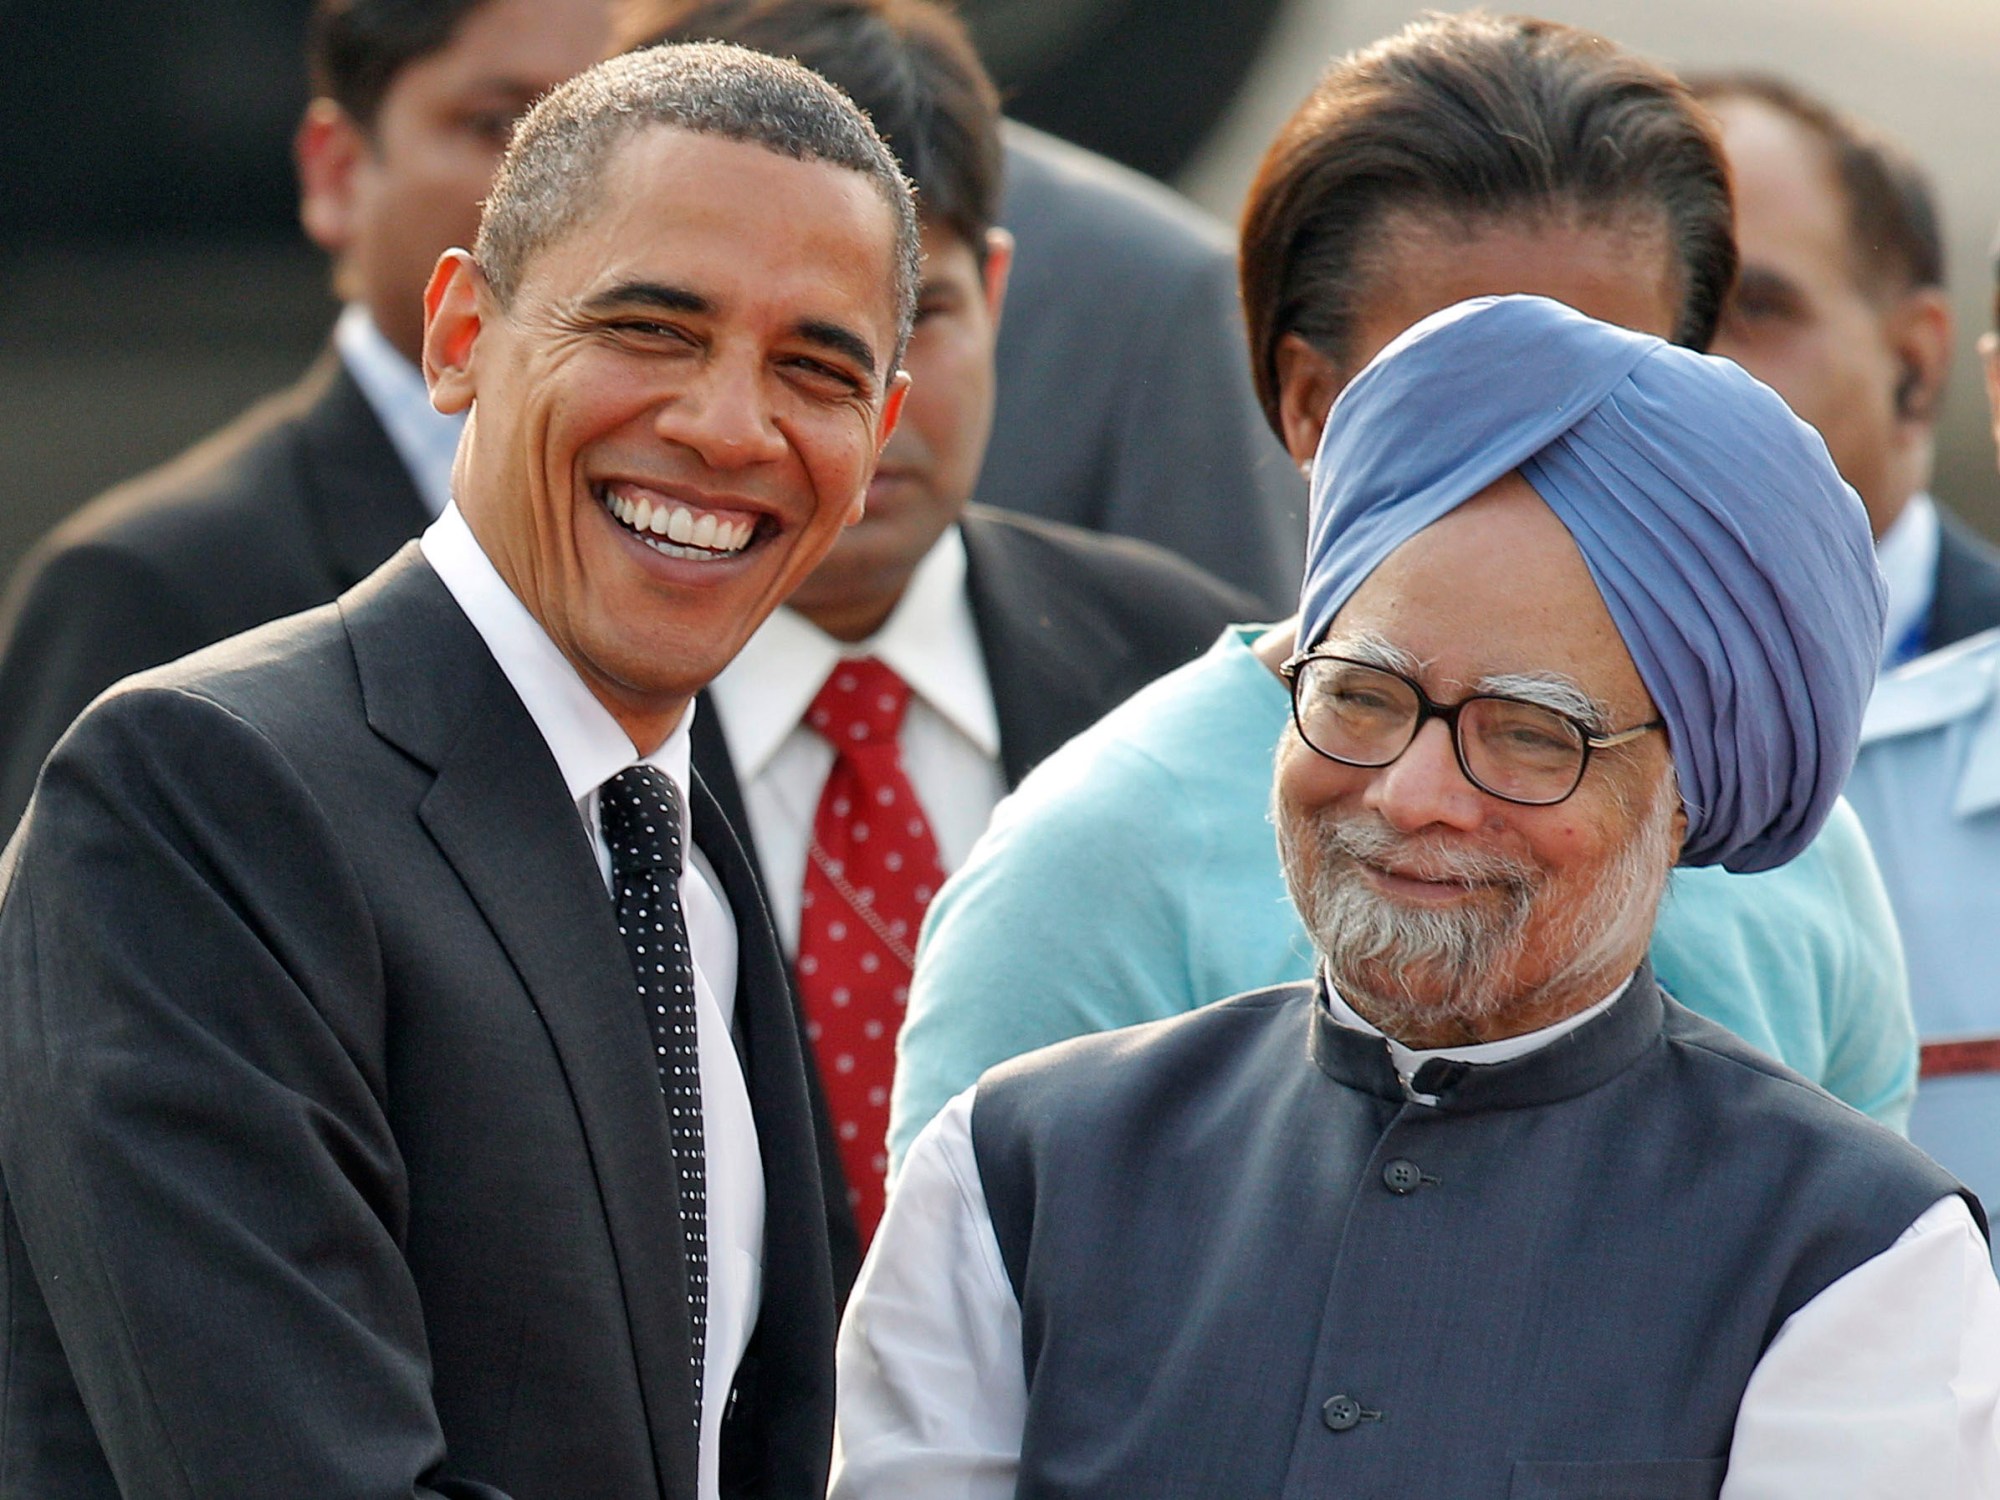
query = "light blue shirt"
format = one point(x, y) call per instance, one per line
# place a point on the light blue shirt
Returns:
point(1908, 556)
point(425, 439)
point(1927, 786)
point(1134, 875)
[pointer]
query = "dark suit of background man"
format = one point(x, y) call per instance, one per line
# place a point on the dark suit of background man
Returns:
point(1841, 308)
point(1125, 402)
point(1007, 635)
point(390, 1107)
point(306, 493)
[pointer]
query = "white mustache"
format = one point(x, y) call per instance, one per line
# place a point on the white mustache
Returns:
point(1371, 841)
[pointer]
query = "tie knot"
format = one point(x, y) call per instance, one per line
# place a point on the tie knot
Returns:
point(861, 703)
point(641, 811)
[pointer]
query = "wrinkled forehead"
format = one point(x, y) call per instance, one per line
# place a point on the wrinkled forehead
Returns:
point(1494, 589)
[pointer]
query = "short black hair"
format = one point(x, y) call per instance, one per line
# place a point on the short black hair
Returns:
point(355, 48)
point(1893, 229)
point(554, 166)
point(908, 63)
point(1471, 118)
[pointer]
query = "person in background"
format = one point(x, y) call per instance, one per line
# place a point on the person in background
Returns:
point(1476, 1211)
point(1841, 308)
point(1927, 786)
point(1465, 155)
point(865, 733)
point(309, 491)
point(1124, 401)
point(403, 1090)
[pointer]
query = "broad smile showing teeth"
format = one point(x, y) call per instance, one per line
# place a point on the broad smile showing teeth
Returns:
point(678, 530)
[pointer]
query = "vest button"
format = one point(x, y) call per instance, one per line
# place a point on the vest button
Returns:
point(1402, 1177)
point(1341, 1413)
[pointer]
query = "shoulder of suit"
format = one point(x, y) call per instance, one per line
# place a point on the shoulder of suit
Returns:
point(1935, 690)
point(1787, 1109)
point(236, 476)
point(1067, 198)
point(1959, 535)
point(264, 671)
point(1121, 563)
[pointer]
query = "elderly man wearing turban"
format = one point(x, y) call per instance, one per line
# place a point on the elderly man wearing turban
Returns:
point(1481, 1213)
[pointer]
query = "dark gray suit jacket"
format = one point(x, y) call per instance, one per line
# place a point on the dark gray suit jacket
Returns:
point(298, 499)
point(1967, 599)
point(335, 1163)
point(1125, 402)
point(1071, 625)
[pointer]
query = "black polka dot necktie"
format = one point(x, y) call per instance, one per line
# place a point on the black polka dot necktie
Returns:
point(641, 812)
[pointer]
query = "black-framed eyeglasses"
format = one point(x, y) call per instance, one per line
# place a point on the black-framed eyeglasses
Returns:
point(1364, 715)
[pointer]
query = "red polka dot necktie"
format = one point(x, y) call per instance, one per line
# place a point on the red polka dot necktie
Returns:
point(871, 869)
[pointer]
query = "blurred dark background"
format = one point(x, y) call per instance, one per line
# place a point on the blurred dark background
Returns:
point(153, 280)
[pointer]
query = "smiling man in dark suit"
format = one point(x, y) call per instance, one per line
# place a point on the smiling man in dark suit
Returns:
point(402, 1094)
point(940, 651)
point(309, 491)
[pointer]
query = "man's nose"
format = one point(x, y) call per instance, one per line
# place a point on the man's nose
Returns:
point(1425, 787)
point(725, 413)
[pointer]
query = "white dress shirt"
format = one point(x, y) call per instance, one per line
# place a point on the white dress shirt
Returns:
point(1907, 554)
point(590, 748)
point(424, 438)
point(950, 739)
point(1883, 1387)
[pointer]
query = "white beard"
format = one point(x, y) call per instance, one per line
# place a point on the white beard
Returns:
point(1409, 968)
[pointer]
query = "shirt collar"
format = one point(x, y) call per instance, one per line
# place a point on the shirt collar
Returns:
point(424, 438)
point(589, 745)
point(1908, 557)
point(930, 640)
point(1409, 1059)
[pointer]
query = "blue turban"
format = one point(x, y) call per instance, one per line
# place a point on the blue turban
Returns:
point(1735, 562)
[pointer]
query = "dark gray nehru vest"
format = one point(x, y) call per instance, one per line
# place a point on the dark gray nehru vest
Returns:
point(1249, 1265)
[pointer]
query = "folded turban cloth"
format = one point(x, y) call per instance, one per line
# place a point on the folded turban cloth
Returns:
point(1735, 562)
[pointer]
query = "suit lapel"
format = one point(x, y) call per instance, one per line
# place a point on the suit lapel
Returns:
point(713, 768)
point(1047, 661)
point(708, 752)
point(502, 817)
point(1966, 597)
point(361, 499)
point(786, 1383)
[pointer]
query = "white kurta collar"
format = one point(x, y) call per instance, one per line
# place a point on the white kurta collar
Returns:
point(1409, 1059)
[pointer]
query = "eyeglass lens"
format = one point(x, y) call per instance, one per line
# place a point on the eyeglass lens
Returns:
point(1368, 717)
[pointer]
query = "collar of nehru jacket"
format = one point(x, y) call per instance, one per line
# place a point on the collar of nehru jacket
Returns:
point(1735, 562)
point(1573, 1060)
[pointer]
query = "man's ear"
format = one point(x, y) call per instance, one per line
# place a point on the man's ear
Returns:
point(455, 302)
point(999, 264)
point(892, 412)
point(1308, 382)
point(1989, 361)
point(327, 150)
point(1919, 329)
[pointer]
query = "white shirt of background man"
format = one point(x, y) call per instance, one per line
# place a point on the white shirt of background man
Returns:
point(425, 439)
point(950, 740)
